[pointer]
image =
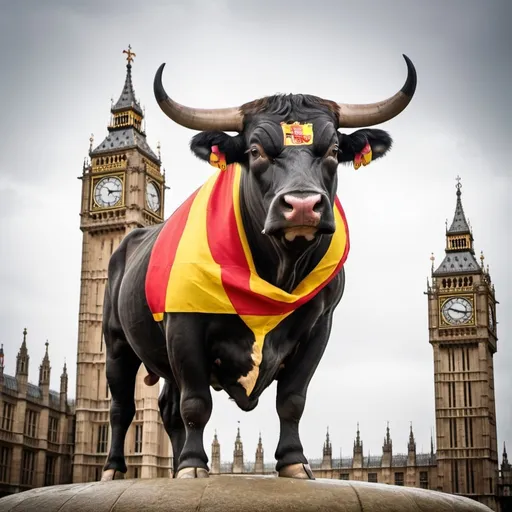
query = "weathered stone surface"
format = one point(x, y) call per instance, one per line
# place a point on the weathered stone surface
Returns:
point(235, 494)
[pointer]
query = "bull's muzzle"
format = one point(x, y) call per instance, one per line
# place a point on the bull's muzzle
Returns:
point(305, 214)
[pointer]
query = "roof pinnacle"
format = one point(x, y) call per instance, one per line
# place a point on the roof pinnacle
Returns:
point(129, 54)
point(459, 223)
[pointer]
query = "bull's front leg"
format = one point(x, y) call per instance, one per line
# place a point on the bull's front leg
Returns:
point(292, 388)
point(188, 358)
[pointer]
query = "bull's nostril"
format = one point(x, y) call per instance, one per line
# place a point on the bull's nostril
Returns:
point(285, 205)
point(319, 206)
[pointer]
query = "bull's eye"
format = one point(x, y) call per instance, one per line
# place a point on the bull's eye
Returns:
point(255, 153)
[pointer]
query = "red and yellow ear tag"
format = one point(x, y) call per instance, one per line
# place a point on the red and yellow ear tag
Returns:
point(363, 158)
point(297, 134)
point(218, 159)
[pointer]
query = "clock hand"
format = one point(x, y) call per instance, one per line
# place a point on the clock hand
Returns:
point(456, 310)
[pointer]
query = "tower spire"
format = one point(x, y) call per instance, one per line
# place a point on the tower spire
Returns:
point(358, 444)
point(505, 466)
point(412, 443)
point(387, 440)
point(1, 362)
point(125, 129)
point(44, 369)
point(23, 358)
point(127, 99)
point(259, 466)
point(459, 250)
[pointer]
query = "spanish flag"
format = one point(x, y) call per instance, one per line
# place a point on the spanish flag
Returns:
point(201, 263)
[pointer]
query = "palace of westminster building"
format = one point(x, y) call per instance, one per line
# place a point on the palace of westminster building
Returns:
point(47, 438)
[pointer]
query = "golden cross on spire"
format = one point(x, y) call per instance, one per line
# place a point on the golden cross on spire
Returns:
point(129, 54)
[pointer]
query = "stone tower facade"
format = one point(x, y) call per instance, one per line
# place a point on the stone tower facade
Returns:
point(215, 467)
point(238, 454)
point(259, 464)
point(122, 189)
point(36, 427)
point(462, 331)
point(327, 452)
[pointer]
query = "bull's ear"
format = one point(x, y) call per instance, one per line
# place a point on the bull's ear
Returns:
point(233, 147)
point(353, 144)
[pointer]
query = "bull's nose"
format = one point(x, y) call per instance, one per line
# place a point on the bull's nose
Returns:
point(302, 211)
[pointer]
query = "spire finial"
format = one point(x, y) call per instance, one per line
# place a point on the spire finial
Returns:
point(24, 343)
point(91, 142)
point(482, 258)
point(46, 345)
point(432, 259)
point(129, 54)
point(458, 186)
point(158, 149)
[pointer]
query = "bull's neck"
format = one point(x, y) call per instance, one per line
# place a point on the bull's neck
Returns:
point(274, 264)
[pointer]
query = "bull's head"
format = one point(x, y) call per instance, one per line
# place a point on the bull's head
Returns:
point(292, 169)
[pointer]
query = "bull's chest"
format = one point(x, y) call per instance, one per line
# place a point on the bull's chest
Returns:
point(231, 343)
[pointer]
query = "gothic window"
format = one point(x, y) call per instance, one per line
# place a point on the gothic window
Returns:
point(8, 416)
point(399, 478)
point(31, 423)
point(53, 429)
point(49, 471)
point(453, 432)
point(27, 467)
point(424, 479)
point(138, 438)
point(5, 463)
point(101, 446)
point(372, 477)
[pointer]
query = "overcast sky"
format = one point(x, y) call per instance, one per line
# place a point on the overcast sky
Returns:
point(61, 62)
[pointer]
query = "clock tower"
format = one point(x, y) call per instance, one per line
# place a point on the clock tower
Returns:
point(462, 331)
point(122, 189)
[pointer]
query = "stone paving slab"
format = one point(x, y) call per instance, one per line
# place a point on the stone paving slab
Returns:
point(228, 493)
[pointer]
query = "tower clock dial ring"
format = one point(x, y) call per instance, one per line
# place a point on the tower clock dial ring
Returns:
point(152, 196)
point(457, 311)
point(108, 191)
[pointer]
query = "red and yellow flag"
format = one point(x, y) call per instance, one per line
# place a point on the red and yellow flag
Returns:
point(201, 263)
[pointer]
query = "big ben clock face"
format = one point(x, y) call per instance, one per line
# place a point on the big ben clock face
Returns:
point(152, 196)
point(108, 191)
point(457, 311)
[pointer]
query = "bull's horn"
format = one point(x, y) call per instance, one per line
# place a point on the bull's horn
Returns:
point(223, 119)
point(356, 116)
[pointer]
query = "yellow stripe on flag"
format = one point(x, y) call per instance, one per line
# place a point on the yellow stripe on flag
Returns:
point(195, 284)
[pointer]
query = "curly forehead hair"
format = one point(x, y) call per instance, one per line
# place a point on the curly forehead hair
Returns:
point(290, 106)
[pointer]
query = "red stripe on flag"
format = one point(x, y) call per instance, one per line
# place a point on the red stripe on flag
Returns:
point(163, 254)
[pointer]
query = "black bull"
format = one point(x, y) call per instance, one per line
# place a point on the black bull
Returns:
point(287, 195)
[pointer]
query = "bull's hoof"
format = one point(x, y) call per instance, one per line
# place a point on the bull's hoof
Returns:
point(111, 474)
point(301, 471)
point(192, 473)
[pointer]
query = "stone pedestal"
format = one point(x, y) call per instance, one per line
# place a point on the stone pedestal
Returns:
point(235, 494)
